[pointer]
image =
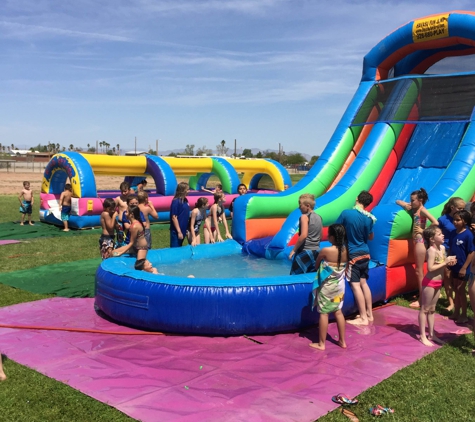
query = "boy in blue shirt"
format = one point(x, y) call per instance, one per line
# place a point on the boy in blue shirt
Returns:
point(358, 224)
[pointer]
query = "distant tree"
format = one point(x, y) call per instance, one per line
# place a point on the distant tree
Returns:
point(109, 152)
point(259, 155)
point(247, 153)
point(172, 154)
point(189, 150)
point(222, 149)
point(314, 159)
point(64, 148)
point(272, 155)
point(295, 159)
point(204, 151)
point(71, 147)
point(91, 150)
point(118, 149)
point(152, 152)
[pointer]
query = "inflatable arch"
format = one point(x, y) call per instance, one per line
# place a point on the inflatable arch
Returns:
point(87, 203)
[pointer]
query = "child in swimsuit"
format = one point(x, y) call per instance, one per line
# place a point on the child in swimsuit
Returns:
point(26, 203)
point(138, 244)
point(329, 286)
point(147, 209)
point(437, 260)
point(420, 216)
point(108, 217)
point(198, 215)
point(216, 215)
point(65, 205)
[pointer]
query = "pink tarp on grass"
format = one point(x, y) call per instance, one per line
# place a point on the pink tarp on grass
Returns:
point(186, 378)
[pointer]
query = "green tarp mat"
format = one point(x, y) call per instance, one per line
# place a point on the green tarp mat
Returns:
point(67, 279)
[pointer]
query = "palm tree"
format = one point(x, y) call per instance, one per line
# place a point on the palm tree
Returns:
point(71, 147)
point(118, 149)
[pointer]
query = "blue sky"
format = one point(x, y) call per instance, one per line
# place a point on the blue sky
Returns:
point(187, 72)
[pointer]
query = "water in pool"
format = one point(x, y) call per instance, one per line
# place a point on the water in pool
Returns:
point(231, 266)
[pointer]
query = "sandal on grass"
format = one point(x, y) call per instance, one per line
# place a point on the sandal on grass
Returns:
point(343, 399)
point(349, 414)
point(379, 410)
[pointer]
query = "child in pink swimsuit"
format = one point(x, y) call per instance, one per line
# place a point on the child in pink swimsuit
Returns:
point(420, 216)
point(432, 282)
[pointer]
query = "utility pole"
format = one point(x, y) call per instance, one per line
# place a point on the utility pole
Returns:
point(235, 150)
point(156, 147)
point(135, 145)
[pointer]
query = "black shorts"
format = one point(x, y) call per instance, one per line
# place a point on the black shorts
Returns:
point(358, 268)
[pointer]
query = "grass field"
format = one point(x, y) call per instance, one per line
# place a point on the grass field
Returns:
point(436, 388)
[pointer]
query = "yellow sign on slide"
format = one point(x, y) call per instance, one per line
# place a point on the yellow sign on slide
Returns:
point(431, 28)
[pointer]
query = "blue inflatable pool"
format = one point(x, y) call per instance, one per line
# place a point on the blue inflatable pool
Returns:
point(206, 306)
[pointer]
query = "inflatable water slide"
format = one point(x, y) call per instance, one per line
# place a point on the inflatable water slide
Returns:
point(405, 128)
point(87, 200)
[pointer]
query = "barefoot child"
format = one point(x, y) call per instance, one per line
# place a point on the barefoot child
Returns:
point(65, 205)
point(461, 245)
point(329, 285)
point(446, 224)
point(26, 203)
point(197, 216)
point(217, 214)
point(108, 221)
point(121, 203)
point(138, 244)
point(358, 224)
point(419, 215)
point(305, 251)
point(179, 215)
point(437, 260)
point(147, 210)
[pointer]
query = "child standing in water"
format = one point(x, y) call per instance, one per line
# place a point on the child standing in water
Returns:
point(305, 251)
point(198, 216)
point(419, 216)
point(65, 205)
point(461, 245)
point(217, 214)
point(329, 285)
point(179, 214)
point(437, 260)
point(26, 203)
point(446, 224)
